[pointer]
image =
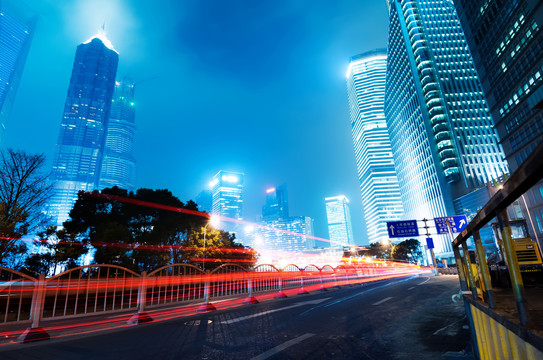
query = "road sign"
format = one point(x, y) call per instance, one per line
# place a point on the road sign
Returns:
point(457, 224)
point(400, 229)
point(430, 243)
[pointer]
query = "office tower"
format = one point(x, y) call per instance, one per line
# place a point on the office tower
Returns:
point(17, 25)
point(276, 203)
point(441, 131)
point(78, 155)
point(338, 214)
point(506, 40)
point(204, 199)
point(381, 199)
point(119, 164)
point(226, 188)
point(293, 234)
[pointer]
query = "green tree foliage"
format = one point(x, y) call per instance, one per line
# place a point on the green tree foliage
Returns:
point(23, 194)
point(379, 250)
point(141, 231)
point(220, 248)
point(408, 250)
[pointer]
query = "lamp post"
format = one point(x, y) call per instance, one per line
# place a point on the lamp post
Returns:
point(213, 221)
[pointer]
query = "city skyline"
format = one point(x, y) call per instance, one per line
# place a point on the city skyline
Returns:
point(310, 147)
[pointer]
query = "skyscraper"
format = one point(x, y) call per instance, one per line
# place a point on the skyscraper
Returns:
point(119, 164)
point(226, 188)
point(276, 203)
point(441, 131)
point(378, 182)
point(338, 213)
point(80, 145)
point(506, 40)
point(17, 25)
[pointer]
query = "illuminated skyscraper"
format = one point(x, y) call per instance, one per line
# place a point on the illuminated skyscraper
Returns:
point(227, 189)
point(506, 40)
point(441, 131)
point(378, 182)
point(78, 155)
point(276, 203)
point(17, 24)
point(340, 229)
point(119, 164)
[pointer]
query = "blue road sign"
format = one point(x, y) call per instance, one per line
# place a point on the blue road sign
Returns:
point(400, 229)
point(457, 224)
point(430, 243)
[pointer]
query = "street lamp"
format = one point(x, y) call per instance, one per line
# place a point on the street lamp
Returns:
point(213, 221)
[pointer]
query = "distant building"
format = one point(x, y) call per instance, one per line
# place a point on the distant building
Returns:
point(293, 234)
point(441, 131)
point(204, 199)
point(17, 26)
point(78, 156)
point(379, 188)
point(276, 204)
point(506, 40)
point(338, 214)
point(119, 164)
point(227, 188)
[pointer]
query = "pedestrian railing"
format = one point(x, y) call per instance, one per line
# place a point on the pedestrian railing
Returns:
point(95, 289)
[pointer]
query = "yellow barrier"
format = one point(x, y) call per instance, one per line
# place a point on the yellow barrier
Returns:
point(496, 342)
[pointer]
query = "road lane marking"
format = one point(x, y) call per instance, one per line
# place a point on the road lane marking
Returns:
point(276, 350)
point(411, 288)
point(424, 282)
point(382, 301)
point(311, 302)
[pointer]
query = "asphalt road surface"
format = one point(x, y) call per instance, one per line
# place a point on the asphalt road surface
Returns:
point(409, 318)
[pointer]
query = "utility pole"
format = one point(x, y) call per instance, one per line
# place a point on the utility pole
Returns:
point(430, 243)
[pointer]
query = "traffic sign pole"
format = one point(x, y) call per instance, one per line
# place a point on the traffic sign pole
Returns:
point(434, 262)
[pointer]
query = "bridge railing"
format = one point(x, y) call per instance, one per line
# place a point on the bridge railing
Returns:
point(96, 289)
point(496, 334)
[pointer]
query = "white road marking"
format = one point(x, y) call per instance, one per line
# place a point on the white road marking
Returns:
point(411, 288)
point(382, 301)
point(312, 302)
point(276, 350)
point(424, 282)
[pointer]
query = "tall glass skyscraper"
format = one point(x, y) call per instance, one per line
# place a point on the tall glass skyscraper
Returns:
point(506, 40)
point(226, 188)
point(78, 156)
point(276, 203)
point(119, 164)
point(441, 131)
point(378, 182)
point(17, 25)
point(338, 213)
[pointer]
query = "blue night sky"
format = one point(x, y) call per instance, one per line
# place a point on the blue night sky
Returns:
point(251, 86)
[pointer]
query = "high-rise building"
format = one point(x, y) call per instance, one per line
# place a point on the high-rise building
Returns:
point(276, 203)
point(78, 156)
point(381, 199)
point(118, 164)
point(506, 40)
point(441, 131)
point(17, 25)
point(293, 234)
point(338, 213)
point(226, 188)
point(204, 199)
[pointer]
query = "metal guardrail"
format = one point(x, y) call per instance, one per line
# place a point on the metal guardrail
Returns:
point(96, 289)
point(475, 277)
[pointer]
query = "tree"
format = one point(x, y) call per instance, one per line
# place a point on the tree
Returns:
point(23, 195)
point(408, 250)
point(379, 250)
point(220, 248)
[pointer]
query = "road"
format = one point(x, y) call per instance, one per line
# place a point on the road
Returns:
point(410, 318)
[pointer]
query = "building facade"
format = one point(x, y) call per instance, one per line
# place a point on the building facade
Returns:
point(506, 40)
point(379, 188)
point(276, 206)
point(227, 195)
point(17, 26)
point(441, 130)
point(80, 146)
point(338, 213)
point(118, 163)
